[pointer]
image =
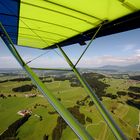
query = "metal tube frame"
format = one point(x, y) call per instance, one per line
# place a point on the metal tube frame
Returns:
point(103, 111)
point(54, 69)
point(65, 114)
point(89, 44)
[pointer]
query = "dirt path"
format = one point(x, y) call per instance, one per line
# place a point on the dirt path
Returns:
point(103, 135)
point(94, 124)
point(138, 128)
point(124, 112)
point(105, 132)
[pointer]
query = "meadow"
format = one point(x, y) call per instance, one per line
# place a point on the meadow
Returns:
point(126, 116)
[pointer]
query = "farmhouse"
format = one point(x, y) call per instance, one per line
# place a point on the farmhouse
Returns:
point(30, 95)
point(24, 112)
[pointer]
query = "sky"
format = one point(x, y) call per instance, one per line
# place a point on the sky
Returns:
point(118, 49)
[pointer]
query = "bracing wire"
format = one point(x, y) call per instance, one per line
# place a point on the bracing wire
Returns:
point(88, 45)
point(37, 57)
point(59, 54)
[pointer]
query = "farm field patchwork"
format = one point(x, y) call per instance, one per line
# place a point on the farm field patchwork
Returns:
point(126, 116)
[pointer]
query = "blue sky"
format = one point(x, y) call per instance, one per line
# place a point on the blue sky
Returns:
point(117, 49)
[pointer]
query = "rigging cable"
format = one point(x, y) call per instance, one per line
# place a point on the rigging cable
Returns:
point(37, 57)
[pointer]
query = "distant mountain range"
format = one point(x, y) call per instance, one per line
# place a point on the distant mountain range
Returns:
point(133, 67)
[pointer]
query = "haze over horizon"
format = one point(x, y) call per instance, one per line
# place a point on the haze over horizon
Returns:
point(120, 49)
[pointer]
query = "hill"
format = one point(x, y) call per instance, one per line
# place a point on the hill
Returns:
point(133, 67)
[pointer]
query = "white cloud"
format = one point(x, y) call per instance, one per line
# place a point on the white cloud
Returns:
point(109, 60)
point(128, 47)
point(95, 61)
point(137, 52)
point(8, 62)
point(49, 62)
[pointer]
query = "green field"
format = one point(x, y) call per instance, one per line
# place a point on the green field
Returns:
point(126, 116)
point(119, 84)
